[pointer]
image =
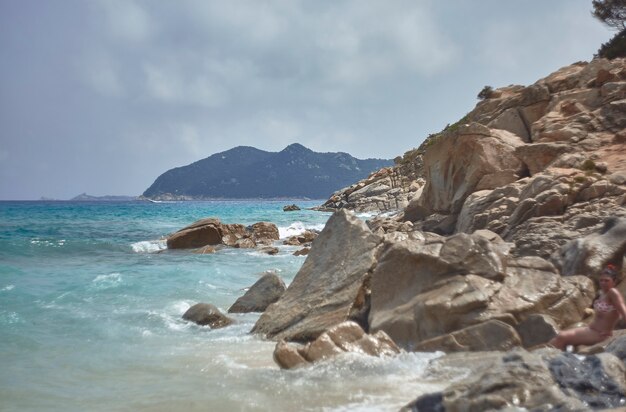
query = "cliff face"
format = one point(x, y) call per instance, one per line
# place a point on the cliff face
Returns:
point(246, 172)
point(538, 165)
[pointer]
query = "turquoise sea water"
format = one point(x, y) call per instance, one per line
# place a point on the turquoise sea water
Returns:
point(91, 305)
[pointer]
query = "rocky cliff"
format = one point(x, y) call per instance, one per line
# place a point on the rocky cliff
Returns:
point(246, 172)
point(510, 215)
point(538, 165)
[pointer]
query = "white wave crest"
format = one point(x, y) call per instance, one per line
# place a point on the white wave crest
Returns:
point(149, 246)
point(48, 243)
point(7, 288)
point(297, 228)
point(107, 281)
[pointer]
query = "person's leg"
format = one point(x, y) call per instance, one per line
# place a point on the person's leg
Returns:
point(578, 336)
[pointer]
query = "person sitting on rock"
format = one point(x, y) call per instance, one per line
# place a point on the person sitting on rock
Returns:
point(608, 307)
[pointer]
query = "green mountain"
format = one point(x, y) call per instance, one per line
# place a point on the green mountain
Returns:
point(246, 172)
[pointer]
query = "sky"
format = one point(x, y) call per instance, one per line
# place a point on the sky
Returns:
point(102, 96)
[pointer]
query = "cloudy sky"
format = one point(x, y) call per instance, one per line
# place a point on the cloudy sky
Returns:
point(102, 96)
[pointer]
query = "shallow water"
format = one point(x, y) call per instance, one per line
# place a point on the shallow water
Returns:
point(90, 317)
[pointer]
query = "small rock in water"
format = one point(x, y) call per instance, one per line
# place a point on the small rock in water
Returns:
point(205, 314)
point(302, 252)
point(290, 208)
point(270, 250)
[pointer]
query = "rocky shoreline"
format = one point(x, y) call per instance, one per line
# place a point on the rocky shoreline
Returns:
point(500, 226)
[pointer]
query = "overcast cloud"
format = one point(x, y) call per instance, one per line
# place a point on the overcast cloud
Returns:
point(103, 96)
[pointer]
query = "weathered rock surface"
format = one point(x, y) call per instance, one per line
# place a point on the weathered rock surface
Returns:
point(388, 189)
point(590, 254)
point(264, 232)
point(211, 232)
point(447, 293)
point(344, 337)
point(547, 381)
point(201, 233)
point(327, 284)
point(265, 291)
point(305, 238)
point(206, 314)
point(471, 158)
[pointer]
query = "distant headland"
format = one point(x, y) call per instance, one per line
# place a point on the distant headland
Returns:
point(247, 172)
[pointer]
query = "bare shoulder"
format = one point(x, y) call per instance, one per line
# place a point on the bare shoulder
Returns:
point(614, 294)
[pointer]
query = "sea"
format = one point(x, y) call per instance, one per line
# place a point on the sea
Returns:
point(90, 317)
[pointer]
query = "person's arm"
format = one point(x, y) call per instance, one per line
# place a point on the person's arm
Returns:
point(618, 302)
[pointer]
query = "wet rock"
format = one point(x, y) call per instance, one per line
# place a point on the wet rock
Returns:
point(206, 314)
point(264, 232)
point(596, 380)
point(269, 250)
point(344, 337)
point(290, 208)
point(245, 243)
point(212, 232)
point(206, 250)
point(201, 233)
point(302, 252)
point(304, 238)
point(511, 380)
point(265, 291)
point(288, 356)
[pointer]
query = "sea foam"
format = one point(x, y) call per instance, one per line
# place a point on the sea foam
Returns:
point(297, 228)
point(149, 246)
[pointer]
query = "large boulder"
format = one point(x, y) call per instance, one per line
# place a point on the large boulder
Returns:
point(206, 314)
point(210, 232)
point(587, 256)
point(265, 291)
point(201, 233)
point(474, 157)
point(324, 289)
point(345, 337)
point(442, 293)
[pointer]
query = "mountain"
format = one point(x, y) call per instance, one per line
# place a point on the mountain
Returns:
point(247, 172)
